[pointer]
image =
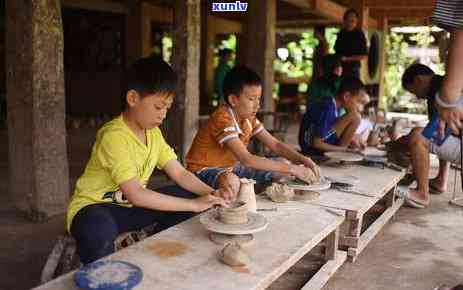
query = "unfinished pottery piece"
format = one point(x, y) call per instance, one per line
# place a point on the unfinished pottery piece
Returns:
point(279, 192)
point(247, 194)
point(234, 255)
point(237, 213)
point(256, 222)
point(344, 156)
point(304, 195)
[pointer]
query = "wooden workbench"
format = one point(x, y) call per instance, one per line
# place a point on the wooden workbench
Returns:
point(183, 257)
point(377, 182)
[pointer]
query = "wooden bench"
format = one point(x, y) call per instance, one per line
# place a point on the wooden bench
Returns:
point(377, 182)
point(183, 257)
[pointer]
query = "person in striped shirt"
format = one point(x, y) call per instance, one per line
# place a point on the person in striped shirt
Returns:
point(448, 14)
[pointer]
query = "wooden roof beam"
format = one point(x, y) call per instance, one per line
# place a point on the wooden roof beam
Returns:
point(397, 13)
point(324, 8)
point(100, 5)
point(409, 4)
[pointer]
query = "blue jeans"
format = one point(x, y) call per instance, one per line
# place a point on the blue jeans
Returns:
point(211, 174)
point(95, 227)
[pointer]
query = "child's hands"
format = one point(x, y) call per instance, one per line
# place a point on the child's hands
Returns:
point(312, 165)
point(304, 173)
point(207, 201)
point(228, 194)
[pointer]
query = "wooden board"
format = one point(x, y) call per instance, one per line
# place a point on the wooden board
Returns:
point(325, 272)
point(373, 230)
point(183, 257)
point(372, 181)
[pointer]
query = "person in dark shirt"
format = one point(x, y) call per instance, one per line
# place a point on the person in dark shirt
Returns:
point(351, 44)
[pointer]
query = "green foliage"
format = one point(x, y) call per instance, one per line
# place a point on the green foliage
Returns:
point(300, 54)
point(396, 98)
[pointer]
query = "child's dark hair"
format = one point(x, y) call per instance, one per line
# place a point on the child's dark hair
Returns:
point(150, 75)
point(351, 11)
point(351, 85)
point(225, 52)
point(236, 79)
point(412, 72)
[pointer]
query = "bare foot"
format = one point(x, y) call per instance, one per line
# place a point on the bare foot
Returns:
point(419, 196)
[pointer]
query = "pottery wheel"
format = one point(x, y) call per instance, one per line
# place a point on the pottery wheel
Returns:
point(256, 223)
point(344, 156)
point(223, 239)
point(322, 185)
point(303, 195)
point(374, 152)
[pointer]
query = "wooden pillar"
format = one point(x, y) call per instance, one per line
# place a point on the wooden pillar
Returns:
point(184, 115)
point(259, 53)
point(384, 26)
point(133, 32)
point(38, 166)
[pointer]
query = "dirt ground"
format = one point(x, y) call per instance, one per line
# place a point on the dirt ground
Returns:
point(418, 250)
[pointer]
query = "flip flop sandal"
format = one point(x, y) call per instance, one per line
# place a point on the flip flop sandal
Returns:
point(433, 188)
point(404, 192)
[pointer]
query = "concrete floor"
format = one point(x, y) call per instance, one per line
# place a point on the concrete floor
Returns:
point(418, 250)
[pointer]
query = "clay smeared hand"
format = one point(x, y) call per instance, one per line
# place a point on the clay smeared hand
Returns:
point(205, 202)
point(312, 165)
point(303, 173)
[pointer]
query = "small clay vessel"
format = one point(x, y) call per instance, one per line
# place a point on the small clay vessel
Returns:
point(279, 192)
point(234, 255)
point(247, 194)
point(374, 138)
point(237, 213)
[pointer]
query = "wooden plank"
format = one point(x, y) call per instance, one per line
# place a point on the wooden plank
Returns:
point(330, 9)
point(97, 5)
point(326, 272)
point(409, 4)
point(37, 161)
point(393, 14)
point(351, 242)
point(373, 230)
point(182, 257)
point(331, 247)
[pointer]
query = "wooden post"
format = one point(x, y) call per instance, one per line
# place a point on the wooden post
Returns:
point(259, 53)
point(133, 32)
point(38, 166)
point(384, 26)
point(184, 116)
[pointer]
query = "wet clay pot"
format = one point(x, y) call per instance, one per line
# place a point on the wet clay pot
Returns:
point(247, 194)
point(237, 213)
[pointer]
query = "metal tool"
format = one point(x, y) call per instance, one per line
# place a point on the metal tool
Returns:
point(348, 188)
point(268, 209)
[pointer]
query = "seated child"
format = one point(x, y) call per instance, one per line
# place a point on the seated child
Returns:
point(219, 154)
point(111, 196)
point(421, 81)
point(323, 129)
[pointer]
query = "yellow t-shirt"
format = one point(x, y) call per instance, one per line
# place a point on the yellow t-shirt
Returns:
point(117, 156)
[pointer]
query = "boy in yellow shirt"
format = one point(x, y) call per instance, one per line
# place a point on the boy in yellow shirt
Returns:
point(111, 196)
point(219, 155)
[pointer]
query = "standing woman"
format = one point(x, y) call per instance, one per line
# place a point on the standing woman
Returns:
point(351, 44)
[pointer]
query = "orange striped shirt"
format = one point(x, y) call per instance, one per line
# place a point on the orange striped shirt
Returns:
point(207, 149)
